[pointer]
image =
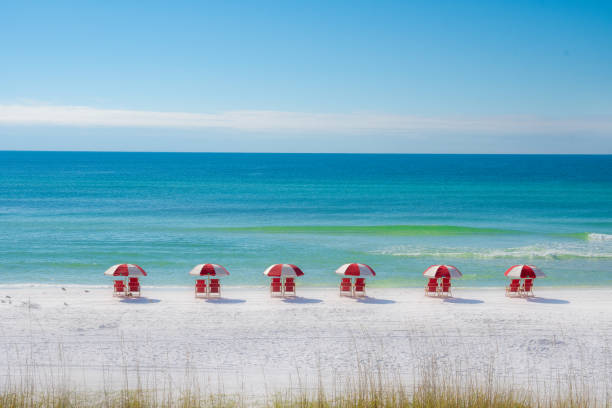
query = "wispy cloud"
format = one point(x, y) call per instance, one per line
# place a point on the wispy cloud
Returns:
point(270, 121)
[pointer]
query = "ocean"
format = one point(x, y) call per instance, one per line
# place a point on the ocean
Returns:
point(65, 217)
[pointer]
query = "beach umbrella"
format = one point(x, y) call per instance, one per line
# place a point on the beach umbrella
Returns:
point(442, 271)
point(524, 271)
point(209, 270)
point(356, 269)
point(125, 270)
point(283, 270)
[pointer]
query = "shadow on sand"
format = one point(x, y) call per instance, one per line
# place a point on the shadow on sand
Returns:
point(301, 300)
point(464, 301)
point(548, 301)
point(375, 301)
point(139, 300)
point(225, 300)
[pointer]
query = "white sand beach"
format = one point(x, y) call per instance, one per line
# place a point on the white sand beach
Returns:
point(248, 342)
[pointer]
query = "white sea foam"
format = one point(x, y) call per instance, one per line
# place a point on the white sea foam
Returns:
point(599, 237)
point(526, 252)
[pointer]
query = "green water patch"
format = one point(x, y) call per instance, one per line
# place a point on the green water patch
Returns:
point(582, 236)
point(394, 230)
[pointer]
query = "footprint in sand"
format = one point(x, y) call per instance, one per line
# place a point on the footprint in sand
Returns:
point(30, 305)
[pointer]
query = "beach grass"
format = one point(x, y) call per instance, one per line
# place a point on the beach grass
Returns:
point(366, 389)
point(387, 398)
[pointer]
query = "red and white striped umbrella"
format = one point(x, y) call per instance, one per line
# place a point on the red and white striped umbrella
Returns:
point(285, 270)
point(524, 271)
point(125, 270)
point(209, 270)
point(355, 269)
point(442, 271)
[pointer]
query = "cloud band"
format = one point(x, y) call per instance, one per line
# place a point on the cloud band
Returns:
point(281, 121)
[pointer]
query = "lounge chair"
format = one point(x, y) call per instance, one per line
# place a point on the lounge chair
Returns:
point(346, 288)
point(200, 288)
point(445, 288)
point(431, 289)
point(514, 289)
point(134, 287)
point(359, 288)
point(214, 289)
point(289, 287)
point(527, 288)
point(276, 287)
point(119, 288)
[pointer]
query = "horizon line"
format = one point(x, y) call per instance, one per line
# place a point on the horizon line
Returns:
point(296, 153)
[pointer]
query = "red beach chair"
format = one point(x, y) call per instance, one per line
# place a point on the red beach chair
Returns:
point(527, 288)
point(446, 288)
point(289, 287)
point(346, 288)
point(513, 290)
point(359, 287)
point(134, 287)
point(119, 288)
point(276, 287)
point(214, 289)
point(431, 289)
point(200, 288)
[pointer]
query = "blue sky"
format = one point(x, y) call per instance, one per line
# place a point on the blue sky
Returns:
point(490, 76)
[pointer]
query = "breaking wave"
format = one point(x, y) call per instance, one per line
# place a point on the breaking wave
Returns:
point(599, 237)
point(526, 252)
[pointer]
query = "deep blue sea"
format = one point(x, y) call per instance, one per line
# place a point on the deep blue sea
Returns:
point(67, 216)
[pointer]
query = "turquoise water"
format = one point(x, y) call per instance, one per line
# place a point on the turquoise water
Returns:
point(66, 216)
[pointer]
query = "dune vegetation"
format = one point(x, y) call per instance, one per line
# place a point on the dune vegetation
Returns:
point(367, 389)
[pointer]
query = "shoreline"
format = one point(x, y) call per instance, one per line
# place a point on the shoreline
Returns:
point(299, 286)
